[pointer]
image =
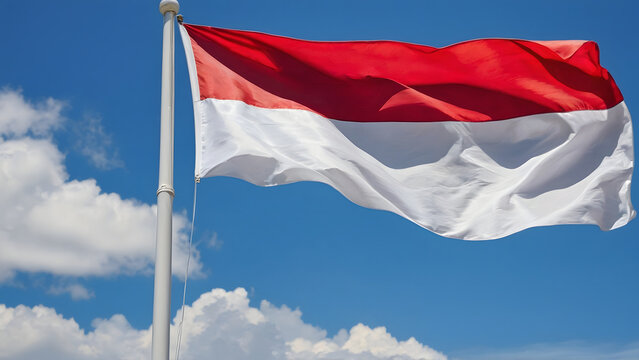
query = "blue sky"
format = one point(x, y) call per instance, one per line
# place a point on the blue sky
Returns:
point(81, 85)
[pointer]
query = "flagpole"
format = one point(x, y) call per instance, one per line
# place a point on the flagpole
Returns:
point(165, 193)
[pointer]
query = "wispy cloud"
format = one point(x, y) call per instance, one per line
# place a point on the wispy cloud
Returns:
point(214, 242)
point(96, 144)
point(570, 350)
point(76, 291)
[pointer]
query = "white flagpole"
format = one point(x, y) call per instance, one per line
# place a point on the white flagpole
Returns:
point(165, 194)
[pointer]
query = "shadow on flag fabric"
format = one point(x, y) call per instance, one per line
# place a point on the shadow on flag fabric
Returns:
point(476, 140)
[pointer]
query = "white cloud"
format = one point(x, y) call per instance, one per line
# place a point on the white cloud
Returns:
point(76, 291)
point(220, 322)
point(223, 323)
point(52, 224)
point(95, 144)
point(41, 333)
point(214, 242)
point(18, 117)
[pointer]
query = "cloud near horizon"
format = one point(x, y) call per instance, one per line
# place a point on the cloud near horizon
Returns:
point(219, 322)
point(52, 224)
point(223, 323)
point(568, 350)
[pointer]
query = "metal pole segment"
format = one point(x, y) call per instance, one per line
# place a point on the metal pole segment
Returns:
point(165, 193)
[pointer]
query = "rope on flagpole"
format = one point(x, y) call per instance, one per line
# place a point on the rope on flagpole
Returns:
point(186, 273)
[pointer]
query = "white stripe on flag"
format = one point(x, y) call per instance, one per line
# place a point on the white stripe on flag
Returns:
point(458, 179)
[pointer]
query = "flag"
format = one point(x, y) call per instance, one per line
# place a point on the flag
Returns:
point(476, 140)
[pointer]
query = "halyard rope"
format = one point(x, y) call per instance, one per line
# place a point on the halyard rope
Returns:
point(186, 274)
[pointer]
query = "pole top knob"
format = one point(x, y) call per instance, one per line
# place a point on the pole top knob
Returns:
point(169, 5)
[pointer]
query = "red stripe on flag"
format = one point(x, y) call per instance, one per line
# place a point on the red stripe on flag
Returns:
point(386, 81)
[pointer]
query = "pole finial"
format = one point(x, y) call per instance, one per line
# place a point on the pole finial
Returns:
point(169, 5)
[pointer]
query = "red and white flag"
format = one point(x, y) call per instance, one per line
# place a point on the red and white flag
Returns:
point(476, 140)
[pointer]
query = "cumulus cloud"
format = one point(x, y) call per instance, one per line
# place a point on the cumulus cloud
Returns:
point(40, 333)
point(18, 116)
point(50, 223)
point(219, 322)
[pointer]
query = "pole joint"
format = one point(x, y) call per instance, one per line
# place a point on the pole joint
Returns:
point(167, 189)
